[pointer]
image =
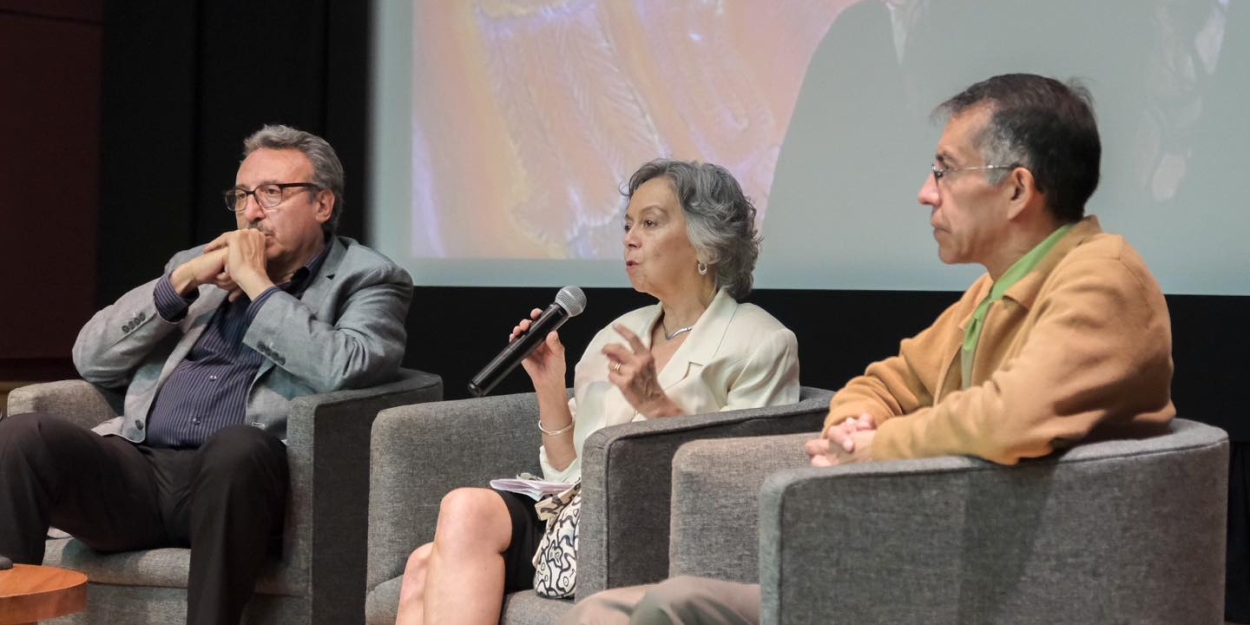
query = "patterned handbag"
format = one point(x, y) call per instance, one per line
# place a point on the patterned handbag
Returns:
point(555, 564)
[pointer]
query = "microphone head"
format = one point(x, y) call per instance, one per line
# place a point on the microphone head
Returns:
point(572, 300)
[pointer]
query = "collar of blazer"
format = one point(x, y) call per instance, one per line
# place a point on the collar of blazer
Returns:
point(702, 343)
point(1027, 289)
point(321, 284)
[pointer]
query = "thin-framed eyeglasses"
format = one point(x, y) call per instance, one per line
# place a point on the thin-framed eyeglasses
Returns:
point(268, 196)
point(942, 172)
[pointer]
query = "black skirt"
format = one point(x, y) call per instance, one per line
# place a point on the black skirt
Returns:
point(527, 533)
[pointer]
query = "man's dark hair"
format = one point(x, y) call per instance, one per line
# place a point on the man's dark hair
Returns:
point(1042, 125)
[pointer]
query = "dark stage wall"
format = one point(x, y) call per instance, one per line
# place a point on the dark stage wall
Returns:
point(50, 57)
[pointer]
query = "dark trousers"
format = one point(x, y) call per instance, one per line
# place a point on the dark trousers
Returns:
point(225, 500)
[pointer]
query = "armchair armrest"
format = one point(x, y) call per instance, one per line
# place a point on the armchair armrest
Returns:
point(77, 401)
point(422, 452)
point(627, 484)
point(716, 492)
point(327, 519)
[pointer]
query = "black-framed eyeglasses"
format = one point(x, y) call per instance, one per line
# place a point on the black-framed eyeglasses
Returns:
point(269, 196)
point(942, 172)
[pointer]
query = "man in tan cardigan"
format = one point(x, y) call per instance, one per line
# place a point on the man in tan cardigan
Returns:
point(1065, 339)
point(1066, 336)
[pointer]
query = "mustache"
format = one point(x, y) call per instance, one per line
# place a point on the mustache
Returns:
point(256, 225)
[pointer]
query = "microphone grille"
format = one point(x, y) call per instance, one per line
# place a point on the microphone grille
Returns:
point(572, 300)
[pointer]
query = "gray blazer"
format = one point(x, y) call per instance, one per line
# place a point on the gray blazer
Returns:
point(346, 331)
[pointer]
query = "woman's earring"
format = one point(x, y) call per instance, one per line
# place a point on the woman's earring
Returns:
point(702, 268)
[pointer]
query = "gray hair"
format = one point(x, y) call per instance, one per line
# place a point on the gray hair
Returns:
point(1042, 125)
point(327, 170)
point(720, 219)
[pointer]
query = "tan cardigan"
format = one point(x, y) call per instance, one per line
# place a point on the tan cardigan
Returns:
point(1081, 347)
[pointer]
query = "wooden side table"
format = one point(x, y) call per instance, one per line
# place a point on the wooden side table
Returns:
point(29, 594)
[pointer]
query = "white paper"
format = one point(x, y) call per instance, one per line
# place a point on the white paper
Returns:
point(536, 489)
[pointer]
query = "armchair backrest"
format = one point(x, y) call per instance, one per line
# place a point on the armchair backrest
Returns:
point(421, 452)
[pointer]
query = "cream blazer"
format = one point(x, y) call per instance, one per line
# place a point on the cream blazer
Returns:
point(737, 356)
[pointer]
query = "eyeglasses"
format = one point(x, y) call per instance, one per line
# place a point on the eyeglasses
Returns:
point(941, 172)
point(269, 196)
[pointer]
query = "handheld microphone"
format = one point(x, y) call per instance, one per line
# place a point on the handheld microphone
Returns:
point(570, 302)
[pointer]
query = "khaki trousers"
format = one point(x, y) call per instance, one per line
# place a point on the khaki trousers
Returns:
point(677, 601)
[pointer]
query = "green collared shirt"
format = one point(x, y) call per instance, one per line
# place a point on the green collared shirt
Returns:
point(1018, 271)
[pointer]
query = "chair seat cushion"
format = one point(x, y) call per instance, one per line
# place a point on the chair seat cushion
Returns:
point(527, 608)
point(519, 608)
point(382, 603)
point(162, 568)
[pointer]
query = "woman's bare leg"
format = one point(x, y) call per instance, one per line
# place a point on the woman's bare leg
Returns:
point(464, 579)
point(412, 592)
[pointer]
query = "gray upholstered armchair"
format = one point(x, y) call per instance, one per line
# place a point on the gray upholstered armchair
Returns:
point(422, 452)
point(1109, 532)
point(320, 577)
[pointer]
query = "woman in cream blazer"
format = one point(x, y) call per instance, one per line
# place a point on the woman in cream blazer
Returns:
point(737, 356)
point(690, 242)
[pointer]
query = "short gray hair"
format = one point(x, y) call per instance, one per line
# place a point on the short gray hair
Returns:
point(1042, 125)
point(327, 170)
point(720, 219)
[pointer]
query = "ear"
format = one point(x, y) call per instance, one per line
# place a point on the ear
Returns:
point(1022, 192)
point(325, 206)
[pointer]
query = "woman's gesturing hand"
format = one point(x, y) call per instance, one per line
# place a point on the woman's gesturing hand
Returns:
point(632, 369)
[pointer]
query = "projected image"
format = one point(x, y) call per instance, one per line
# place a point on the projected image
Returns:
point(1183, 59)
point(529, 115)
point(525, 117)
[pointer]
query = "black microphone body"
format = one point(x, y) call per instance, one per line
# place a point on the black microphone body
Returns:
point(552, 318)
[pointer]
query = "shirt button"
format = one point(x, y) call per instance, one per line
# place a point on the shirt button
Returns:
point(213, 378)
point(196, 421)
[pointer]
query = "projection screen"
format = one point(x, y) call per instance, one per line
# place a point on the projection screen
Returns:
point(503, 131)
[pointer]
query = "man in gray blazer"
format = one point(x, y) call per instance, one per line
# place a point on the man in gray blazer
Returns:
point(211, 354)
